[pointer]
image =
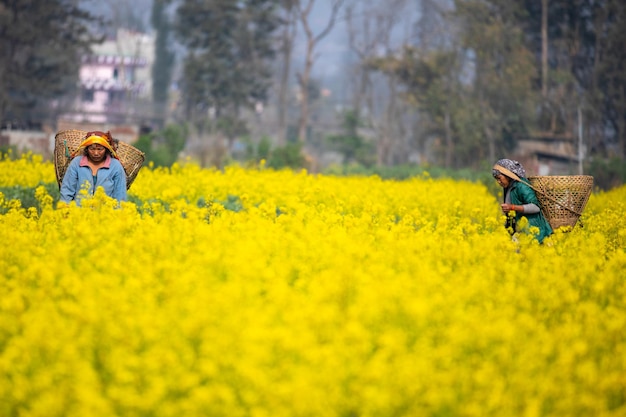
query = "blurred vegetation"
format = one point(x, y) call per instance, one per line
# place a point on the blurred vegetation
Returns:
point(403, 172)
point(26, 195)
point(461, 100)
point(607, 173)
point(163, 147)
point(41, 44)
point(353, 147)
point(9, 151)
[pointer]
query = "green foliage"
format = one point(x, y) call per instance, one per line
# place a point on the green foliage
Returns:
point(611, 77)
point(9, 152)
point(607, 173)
point(161, 157)
point(41, 43)
point(144, 144)
point(352, 146)
point(264, 149)
point(164, 56)
point(232, 203)
point(229, 46)
point(231, 126)
point(26, 195)
point(288, 156)
point(162, 147)
point(485, 87)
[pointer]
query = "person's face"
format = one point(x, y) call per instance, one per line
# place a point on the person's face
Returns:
point(503, 180)
point(96, 152)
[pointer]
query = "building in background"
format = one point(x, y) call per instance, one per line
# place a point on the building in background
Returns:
point(548, 153)
point(115, 87)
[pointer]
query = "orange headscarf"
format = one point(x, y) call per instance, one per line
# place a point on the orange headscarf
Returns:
point(100, 138)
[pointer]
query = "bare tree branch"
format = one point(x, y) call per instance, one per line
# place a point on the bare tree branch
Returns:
point(304, 16)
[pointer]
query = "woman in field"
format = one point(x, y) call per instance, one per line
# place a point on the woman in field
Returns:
point(519, 199)
point(94, 165)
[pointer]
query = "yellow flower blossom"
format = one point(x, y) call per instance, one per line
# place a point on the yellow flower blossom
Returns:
point(256, 292)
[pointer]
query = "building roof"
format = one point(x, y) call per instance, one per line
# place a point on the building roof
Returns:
point(129, 61)
point(110, 84)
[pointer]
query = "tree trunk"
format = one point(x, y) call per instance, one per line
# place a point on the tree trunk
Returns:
point(490, 143)
point(544, 48)
point(304, 78)
point(622, 126)
point(391, 119)
point(304, 92)
point(288, 36)
point(449, 141)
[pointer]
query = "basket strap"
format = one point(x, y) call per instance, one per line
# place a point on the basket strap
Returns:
point(511, 174)
point(67, 150)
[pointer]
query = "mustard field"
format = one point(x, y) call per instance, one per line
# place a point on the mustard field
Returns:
point(253, 292)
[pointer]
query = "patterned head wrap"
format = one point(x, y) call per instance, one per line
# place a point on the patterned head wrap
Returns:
point(100, 138)
point(510, 168)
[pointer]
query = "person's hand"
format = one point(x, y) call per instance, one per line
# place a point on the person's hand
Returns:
point(508, 207)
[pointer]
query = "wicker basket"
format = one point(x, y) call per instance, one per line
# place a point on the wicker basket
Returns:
point(562, 198)
point(67, 141)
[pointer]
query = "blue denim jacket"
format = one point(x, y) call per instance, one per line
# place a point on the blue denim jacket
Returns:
point(111, 176)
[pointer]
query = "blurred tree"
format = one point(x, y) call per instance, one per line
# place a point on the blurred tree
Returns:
point(582, 46)
point(518, 69)
point(288, 156)
point(350, 144)
point(474, 88)
point(433, 86)
point(41, 45)
point(163, 59)
point(609, 78)
point(371, 26)
point(289, 26)
point(163, 147)
point(229, 45)
point(303, 10)
point(503, 70)
point(124, 14)
point(550, 29)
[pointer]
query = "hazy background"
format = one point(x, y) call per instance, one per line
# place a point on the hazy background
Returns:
point(407, 85)
point(333, 52)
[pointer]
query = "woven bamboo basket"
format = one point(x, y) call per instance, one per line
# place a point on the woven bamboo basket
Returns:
point(67, 141)
point(562, 198)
